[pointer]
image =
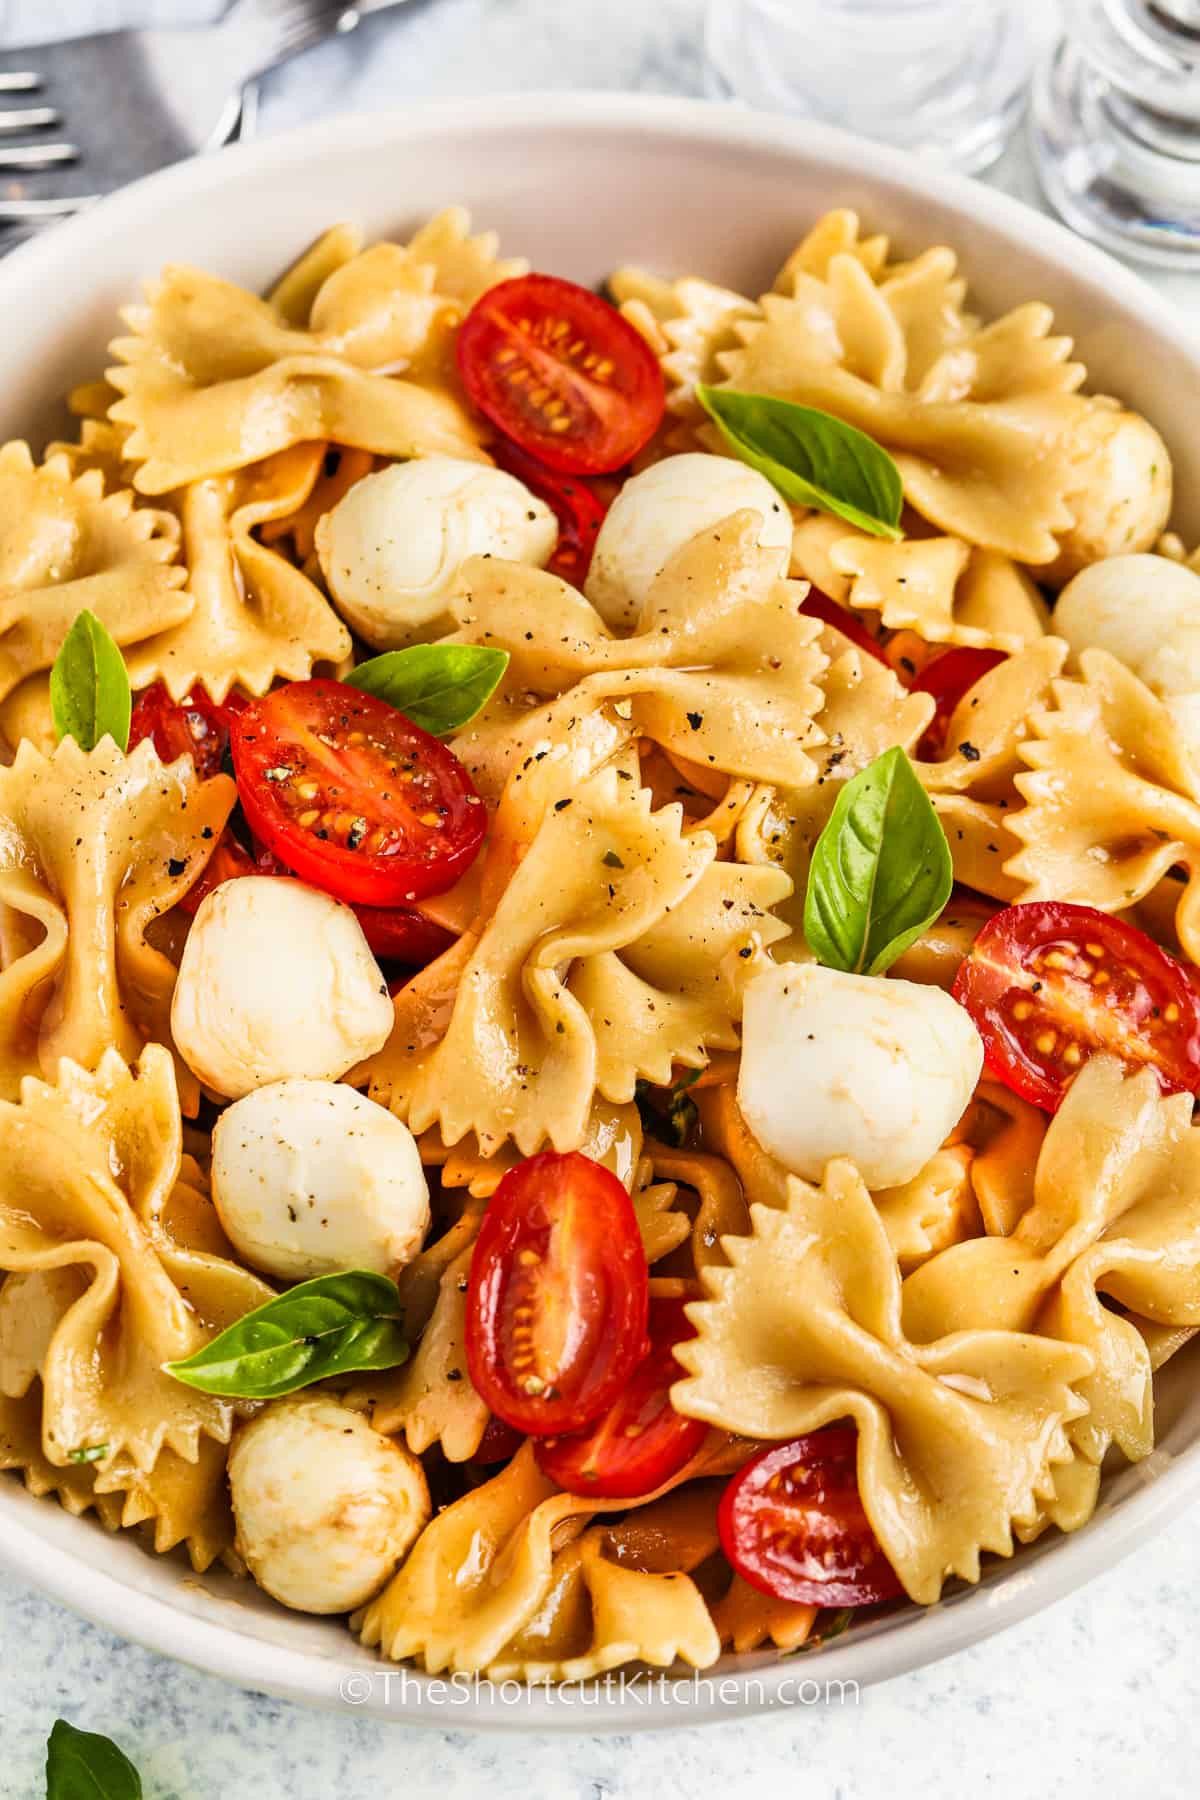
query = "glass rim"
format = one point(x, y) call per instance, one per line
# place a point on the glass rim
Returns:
point(857, 10)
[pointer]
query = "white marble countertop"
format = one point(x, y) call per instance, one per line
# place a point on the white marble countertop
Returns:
point(1102, 1689)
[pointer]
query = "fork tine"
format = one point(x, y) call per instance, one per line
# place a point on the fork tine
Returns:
point(37, 156)
point(19, 81)
point(29, 118)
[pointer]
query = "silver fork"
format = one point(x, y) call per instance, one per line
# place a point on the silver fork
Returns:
point(128, 102)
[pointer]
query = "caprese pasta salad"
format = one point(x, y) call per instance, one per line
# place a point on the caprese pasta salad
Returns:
point(599, 1014)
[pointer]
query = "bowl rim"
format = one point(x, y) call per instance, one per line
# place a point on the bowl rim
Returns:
point(1060, 1565)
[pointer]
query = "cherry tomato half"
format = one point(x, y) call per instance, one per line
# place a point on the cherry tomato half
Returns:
point(561, 373)
point(819, 606)
point(194, 726)
point(792, 1524)
point(499, 1443)
point(557, 1295)
point(641, 1441)
point(352, 796)
point(1048, 984)
point(949, 678)
point(578, 509)
point(226, 863)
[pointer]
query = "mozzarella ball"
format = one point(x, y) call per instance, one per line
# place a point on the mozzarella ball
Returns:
point(659, 511)
point(392, 548)
point(325, 1505)
point(852, 1065)
point(310, 1177)
point(276, 979)
point(1121, 494)
point(1146, 611)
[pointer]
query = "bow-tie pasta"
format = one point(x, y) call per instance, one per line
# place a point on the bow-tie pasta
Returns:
point(65, 545)
point(212, 378)
point(86, 1174)
point(95, 848)
point(615, 950)
point(805, 1328)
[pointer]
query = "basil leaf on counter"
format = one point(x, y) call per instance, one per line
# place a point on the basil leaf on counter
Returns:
point(880, 871)
point(811, 457)
point(440, 687)
point(89, 686)
point(83, 1765)
point(332, 1325)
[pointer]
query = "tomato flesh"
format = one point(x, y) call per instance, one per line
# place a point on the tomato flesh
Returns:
point(557, 1295)
point(226, 863)
point(792, 1524)
point(194, 726)
point(499, 1443)
point(402, 934)
point(818, 605)
point(577, 507)
point(949, 678)
point(561, 373)
point(352, 796)
point(641, 1441)
point(1048, 984)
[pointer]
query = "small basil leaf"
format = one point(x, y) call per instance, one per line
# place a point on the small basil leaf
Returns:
point(89, 686)
point(440, 687)
point(89, 1453)
point(880, 871)
point(669, 1113)
point(333, 1325)
point(811, 457)
point(83, 1765)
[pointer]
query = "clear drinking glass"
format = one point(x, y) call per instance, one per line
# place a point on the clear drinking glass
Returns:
point(946, 78)
point(1116, 126)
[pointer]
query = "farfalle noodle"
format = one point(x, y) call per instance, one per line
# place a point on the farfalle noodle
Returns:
point(254, 616)
point(1116, 1211)
point(804, 1328)
point(67, 545)
point(1112, 798)
point(93, 849)
point(87, 1168)
point(212, 378)
point(495, 1039)
point(721, 669)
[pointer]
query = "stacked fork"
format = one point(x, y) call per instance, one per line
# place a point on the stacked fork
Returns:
point(116, 105)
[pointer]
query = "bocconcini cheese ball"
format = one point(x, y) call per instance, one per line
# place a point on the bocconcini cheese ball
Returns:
point(853, 1065)
point(325, 1506)
point(276, 980)
point(1146, 611)
point(659, 511)
point(1121, 495)
point(310, 1177)
point(391, 549)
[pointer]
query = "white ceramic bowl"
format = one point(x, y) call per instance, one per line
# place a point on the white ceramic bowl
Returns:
point(579, 183)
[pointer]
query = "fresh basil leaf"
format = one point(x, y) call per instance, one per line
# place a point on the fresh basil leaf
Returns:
point(89, 686)
point(89, 1453)
point(830, 1625)
point(83, 1765)
point(880, 871)
point(813, 458)
point(333, 1325)
point(669, 1113)
point(440, 687)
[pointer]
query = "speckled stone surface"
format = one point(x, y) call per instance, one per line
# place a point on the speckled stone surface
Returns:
point(1100, 1692)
